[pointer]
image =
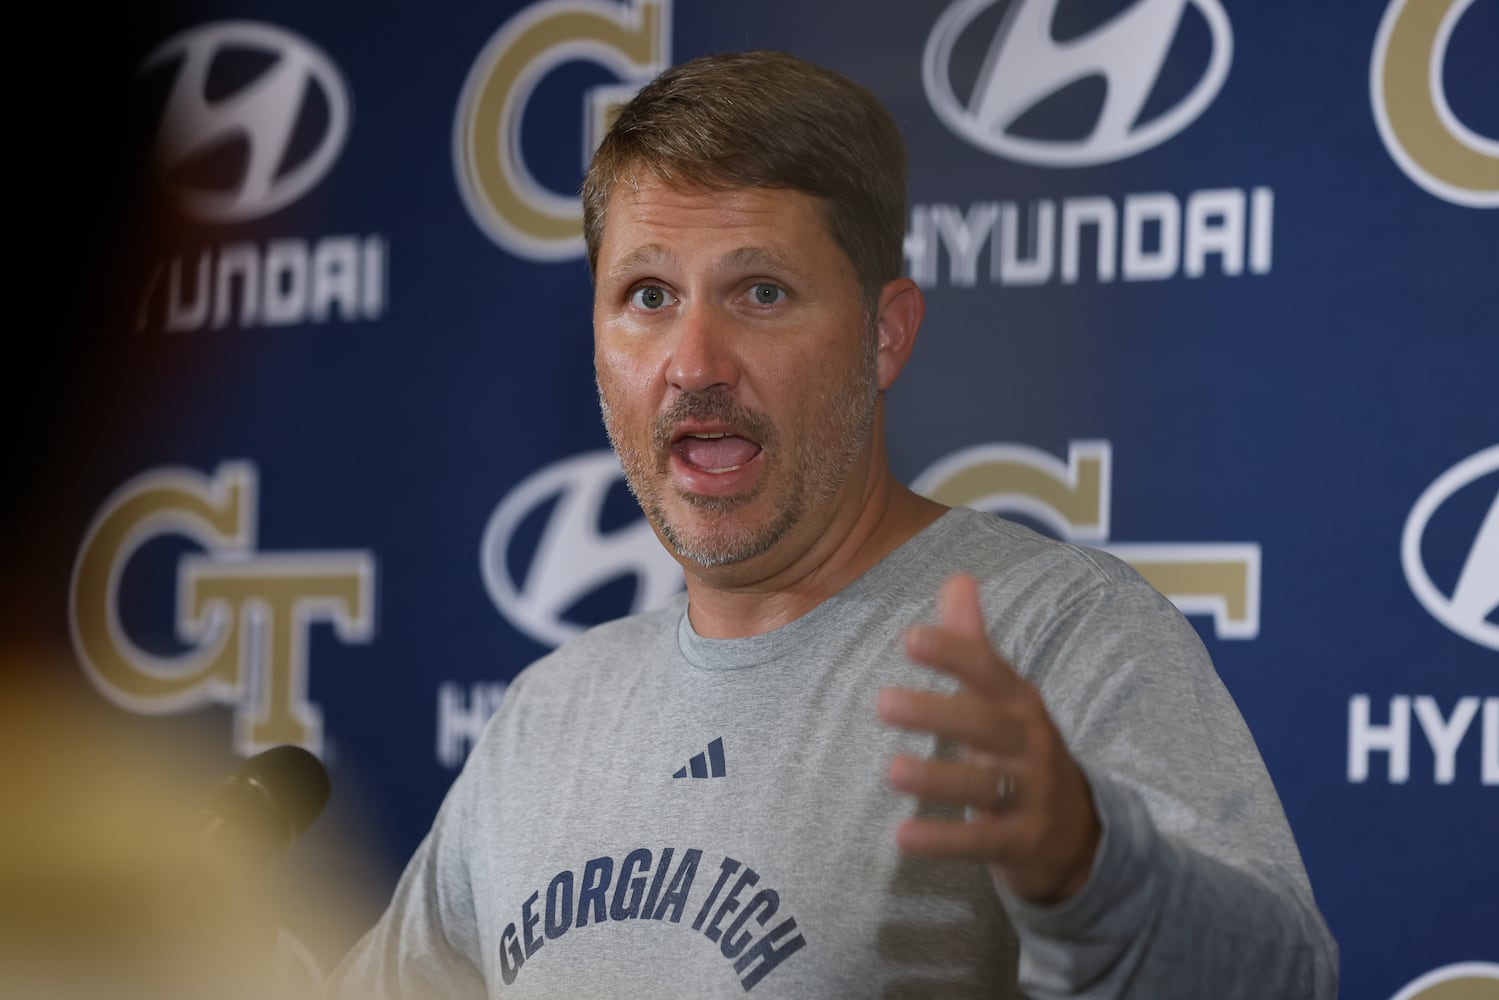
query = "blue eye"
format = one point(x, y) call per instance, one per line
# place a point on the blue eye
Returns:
point(650, 297)
point(763, 293)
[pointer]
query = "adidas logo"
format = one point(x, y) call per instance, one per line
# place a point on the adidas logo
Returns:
point(705, 765)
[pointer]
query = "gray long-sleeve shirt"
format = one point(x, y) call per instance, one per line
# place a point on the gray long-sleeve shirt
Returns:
point(653, 813)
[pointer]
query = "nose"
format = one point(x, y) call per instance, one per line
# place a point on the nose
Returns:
point(702, 352)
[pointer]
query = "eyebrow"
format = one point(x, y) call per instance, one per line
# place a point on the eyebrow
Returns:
point(639, 257)
point(762, 258)
point(749, 258)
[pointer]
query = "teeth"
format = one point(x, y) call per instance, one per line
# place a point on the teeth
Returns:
point(709, 437)
point(727, 468)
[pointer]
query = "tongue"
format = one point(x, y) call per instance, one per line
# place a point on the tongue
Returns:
point(717, 453)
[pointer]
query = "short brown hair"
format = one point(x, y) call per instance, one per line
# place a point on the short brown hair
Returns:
point(766, 119)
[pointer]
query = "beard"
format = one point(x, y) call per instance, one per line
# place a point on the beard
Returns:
point(804, 475)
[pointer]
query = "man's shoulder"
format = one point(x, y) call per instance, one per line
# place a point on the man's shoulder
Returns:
point(994, 548)
point(1042, 596)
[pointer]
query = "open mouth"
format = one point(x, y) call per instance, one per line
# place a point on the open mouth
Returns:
point(714, 451)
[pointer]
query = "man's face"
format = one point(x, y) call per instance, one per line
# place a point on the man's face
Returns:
point(735, 365)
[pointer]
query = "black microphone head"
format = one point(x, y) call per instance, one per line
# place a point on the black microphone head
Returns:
point(269, 802)
point(295, 780)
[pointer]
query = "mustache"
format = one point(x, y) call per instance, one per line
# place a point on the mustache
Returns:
point(712, 407)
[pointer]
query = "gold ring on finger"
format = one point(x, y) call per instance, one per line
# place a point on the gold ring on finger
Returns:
point(1004, 789)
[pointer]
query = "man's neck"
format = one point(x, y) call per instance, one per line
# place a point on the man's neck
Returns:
point(742, 602)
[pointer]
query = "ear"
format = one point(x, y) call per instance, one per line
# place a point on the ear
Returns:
point(902, 307)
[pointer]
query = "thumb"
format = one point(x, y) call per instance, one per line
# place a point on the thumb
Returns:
point(958, 606)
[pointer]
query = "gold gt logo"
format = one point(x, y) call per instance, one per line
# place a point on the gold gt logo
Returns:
point(1071, 499)
point(631, 40)
point(1407, 89)
point(243, 614)
point(1461, 981)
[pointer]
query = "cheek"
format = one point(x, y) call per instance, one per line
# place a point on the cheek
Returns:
point(626, 381)
point(809, 375)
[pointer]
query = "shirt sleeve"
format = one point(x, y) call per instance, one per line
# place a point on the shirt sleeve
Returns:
point(425, 946)
point(1197, 888)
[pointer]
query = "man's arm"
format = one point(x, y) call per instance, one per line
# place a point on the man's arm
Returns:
point(426, 945)
point(1144, 854)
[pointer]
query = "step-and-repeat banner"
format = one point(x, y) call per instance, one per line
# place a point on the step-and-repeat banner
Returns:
point(1212, 284)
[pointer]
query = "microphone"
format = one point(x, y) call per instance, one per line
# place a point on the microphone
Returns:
point(258, 811)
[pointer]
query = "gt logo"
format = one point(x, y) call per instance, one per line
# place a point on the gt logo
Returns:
point(1462, 981)
point(515, 210)
point(573, 558)
point(1072, 500)
point(244, 614)
point(1025, 65)
point(1415, 121)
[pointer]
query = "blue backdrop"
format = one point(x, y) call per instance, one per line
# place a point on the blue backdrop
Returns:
point(1210, 283)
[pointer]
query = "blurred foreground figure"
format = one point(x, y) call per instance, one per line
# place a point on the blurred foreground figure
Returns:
point(111, 885)
point(790, 782)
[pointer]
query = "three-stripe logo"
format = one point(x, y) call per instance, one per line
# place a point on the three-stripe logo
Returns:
point(705, 765)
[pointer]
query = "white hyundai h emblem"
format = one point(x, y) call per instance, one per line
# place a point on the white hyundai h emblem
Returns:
point(1474, 598)
point(573, 557)
point(1024, 65)
point(264, 113)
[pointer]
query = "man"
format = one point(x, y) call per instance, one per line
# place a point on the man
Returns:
point(1046, 793)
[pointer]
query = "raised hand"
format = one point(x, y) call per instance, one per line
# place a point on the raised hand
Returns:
point(1029, 811)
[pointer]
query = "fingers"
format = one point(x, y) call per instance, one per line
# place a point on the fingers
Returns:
point(1042, 843)
point(958, 606)
point(1036, 826)
point(959, 645)
point(987, 841)
point(979, 723)
point(1029, 811)
point(989, 786)
point(970, 661)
